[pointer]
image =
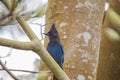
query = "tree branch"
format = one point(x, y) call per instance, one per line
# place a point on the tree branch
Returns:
point(6, 20)
point(5, 68)
point(16, 44)
point(26, 28)
point(14, 4)
point(114, 18)
point(8, 4)
point(33, 72)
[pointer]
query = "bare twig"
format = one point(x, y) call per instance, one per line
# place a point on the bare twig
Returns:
point(11, 6)
point(7, 70)
point(41, 24)
point(41, 28)
point(5, 20)
point(28, 71)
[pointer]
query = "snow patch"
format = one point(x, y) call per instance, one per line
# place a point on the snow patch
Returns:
point(63, 24)
point(65, 36)
point(80, 77)
point(107, 6)
point(74, 55)
point(81, 50)
point(73, 67)
point(85, 60)
point(86, 4)
point(79, 5)
point(65, 7)
point(79, 35)
point(84, 55)
point(90, 78)
point(64, 32)
point(87, 37)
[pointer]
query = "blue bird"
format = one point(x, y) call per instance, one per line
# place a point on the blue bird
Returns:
point(55, 47)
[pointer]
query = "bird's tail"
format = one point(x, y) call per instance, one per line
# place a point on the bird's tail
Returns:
point(54, 78)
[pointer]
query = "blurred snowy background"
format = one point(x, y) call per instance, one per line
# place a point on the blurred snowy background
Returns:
point(21, 59)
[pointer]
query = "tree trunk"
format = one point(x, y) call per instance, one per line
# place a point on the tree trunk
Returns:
point(79, 23)
point(109, 61)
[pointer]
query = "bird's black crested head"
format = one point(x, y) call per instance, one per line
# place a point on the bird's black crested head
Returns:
point(52, 33)
point(53, 30)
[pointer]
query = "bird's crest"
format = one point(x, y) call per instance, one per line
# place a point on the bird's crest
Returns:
point(53, 29)
point(53, 34)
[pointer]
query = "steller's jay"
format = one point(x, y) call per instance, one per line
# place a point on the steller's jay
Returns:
point(55, 47)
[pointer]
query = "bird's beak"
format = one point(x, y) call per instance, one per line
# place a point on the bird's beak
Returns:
point(45, 34)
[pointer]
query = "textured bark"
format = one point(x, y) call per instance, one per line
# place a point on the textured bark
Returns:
point(79, 23)
point(109, 61)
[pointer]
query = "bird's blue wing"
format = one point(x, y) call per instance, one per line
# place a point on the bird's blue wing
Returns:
point(57, 52)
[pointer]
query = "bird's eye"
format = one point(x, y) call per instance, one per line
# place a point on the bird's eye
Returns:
point(49, 32)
